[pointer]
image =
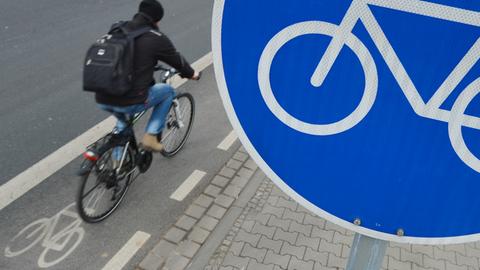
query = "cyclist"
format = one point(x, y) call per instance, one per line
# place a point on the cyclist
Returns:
point(150, 48)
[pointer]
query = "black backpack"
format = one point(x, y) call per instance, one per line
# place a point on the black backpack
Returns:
point(108, 66)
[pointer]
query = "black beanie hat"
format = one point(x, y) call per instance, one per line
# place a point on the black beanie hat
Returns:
point(151, 8)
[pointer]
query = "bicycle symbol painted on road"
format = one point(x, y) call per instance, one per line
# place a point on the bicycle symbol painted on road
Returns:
point(342, 35)
point(57, 244)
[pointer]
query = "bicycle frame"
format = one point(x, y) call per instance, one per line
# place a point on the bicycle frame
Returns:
point(359, 10)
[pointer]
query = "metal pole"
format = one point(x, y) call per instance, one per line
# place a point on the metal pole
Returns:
point(366, 253)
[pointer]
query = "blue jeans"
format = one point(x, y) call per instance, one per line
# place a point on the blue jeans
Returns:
point(160, 97)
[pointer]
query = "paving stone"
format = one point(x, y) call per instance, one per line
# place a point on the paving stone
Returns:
point(227, 172)
point(433, 263)
point(324, 234)
point(304, 210)
point(467, 261)
point(242, 149)
point(417, 267)
point(472, 251)
point(254, 265)
point(273, 210)
point(204, 201)
point(268, 231)
point(176, 262)
point(314, 220)
point(319, 266)
point(247, 225)
point(185, 222)
point(188, 248)
point(232, 191)
point(198, 235)
point(175, 235)
point(240, 182)
point(224, 201)
point(195, 211)
point(342, 239)
point(458, 248)
point(261, 218)
point(313, 255)
point(245, 173)
point(293, 250)
point(225, 268)
point(216, 211)
point(274, 258)
point(157, 257)
point(307, 241)
point(208, 223)
point(333, 227)
point(424, 249)
point(242, 157)
point(236, 247)
point(250, 238)
point(284, 224)
point(394, 264)
point(287, 203)
point(407, 256)
point(257, 254)
point(235, 261)
point(251, 164)
point(334, 261)
point(300, 228)
point(450, 266)
point(234, 164)
point(345, 251)
point(296, 264)
point(220, 181)
point(267, 243)
point(440, 254)
point(330, 248)
point(272, 200)
point(394, 252)
point(290, 237)
point(212, 191)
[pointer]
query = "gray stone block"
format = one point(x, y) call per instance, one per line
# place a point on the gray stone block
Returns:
point(245, 173)
point(257, 254)
point(220, 181)
point(330, 248)
point(195, 211)
point(290, 237)
point(295, 216)
point(274, 258)
point(208, 223)
point(307, 241)
point(243, 236)
point(250, 164)
point(188, 248)
point(235, 261)
point(268, 231)
point(313, 255)
point(176, 262)
point(242, 157)
point(254, 265)
point(293, 250)
point(334, 261)
point(240, 182)
point(296, 264)
point(175, 235)
point(232, 191)
point(157, 257)
point(300, 228)
point(273, 210)
point(198, 235)
point(227, 172)
point(185, 223)
point(224, 201)
point(234, 164)
point(279, 223)
point(204, 200)
point(267, 243)
point(216, 211)
point(236, 247)
point(212, 191)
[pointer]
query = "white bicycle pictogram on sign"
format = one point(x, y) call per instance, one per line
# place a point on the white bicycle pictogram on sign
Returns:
point(342, 35)
point(57, 244)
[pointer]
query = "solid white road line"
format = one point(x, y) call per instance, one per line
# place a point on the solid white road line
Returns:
point(184, 189)
point(228, 141)
point(22, 183)
point(128, 250)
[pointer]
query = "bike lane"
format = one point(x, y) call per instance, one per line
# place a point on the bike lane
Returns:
point(56, 231)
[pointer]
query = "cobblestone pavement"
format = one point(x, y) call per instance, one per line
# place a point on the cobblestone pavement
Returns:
point(274, 232)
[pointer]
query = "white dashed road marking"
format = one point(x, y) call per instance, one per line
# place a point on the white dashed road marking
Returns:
point(128, 250)
point(228, 141)
point(190, 183)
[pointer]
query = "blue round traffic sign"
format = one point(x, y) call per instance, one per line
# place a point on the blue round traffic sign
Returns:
point(361, 110)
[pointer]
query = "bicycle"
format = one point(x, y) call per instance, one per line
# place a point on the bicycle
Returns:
point(114, 177)
point(342, 35)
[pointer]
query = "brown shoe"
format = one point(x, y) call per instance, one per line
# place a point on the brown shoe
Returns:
point(151, 143)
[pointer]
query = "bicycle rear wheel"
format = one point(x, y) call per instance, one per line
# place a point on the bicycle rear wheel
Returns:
point(102, 190)
point(178, 124)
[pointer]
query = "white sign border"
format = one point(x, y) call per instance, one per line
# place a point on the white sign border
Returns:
point(217, 20)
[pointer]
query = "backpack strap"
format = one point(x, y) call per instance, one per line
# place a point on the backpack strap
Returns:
point(136, 33)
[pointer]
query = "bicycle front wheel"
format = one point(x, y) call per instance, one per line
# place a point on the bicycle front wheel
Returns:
point(178, 124)
point(103, 189)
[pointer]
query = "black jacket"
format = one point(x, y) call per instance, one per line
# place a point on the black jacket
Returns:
point(150, 48)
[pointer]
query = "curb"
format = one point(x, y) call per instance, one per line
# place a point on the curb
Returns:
point(179, 245)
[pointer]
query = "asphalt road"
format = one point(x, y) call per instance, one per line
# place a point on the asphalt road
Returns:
point(42, 46)
point(42, 107)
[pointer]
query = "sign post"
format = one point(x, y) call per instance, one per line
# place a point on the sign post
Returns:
point(360, 110)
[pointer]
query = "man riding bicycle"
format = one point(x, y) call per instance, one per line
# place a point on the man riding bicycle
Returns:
point(150, 47)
